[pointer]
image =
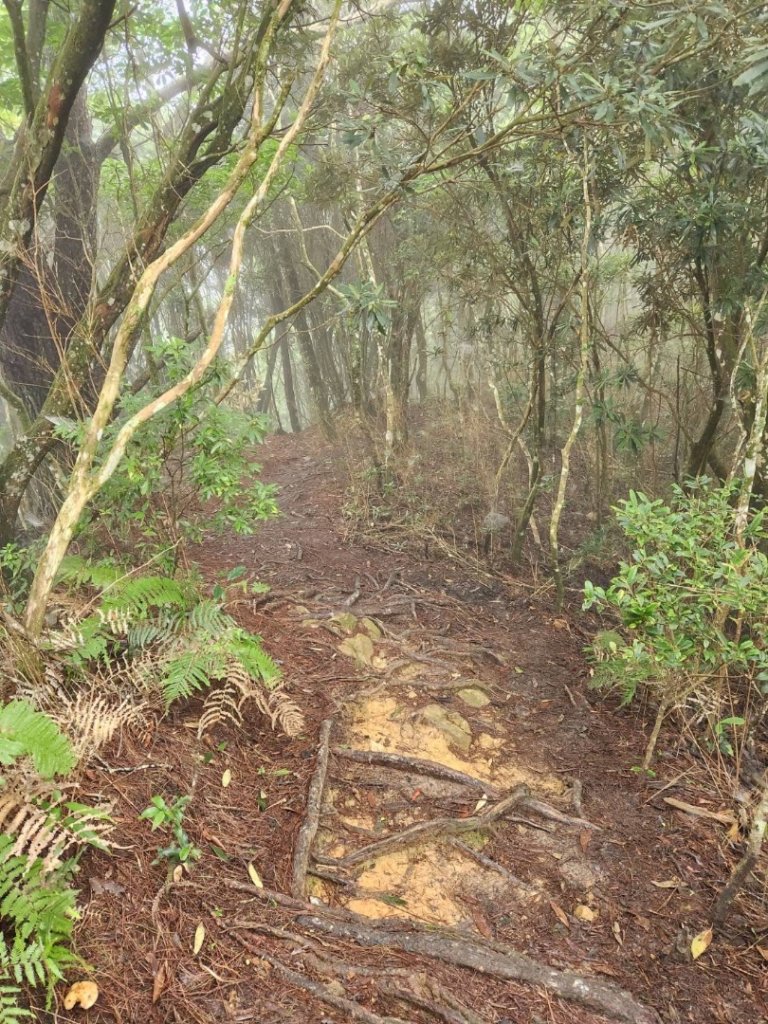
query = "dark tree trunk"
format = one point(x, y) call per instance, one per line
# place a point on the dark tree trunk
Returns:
point(47, 303)
point(290, 391)
point(40, 139)
point(317, 389)
point(267, 390)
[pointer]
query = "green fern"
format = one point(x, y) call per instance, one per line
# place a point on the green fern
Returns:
point(24, 731)
point(76, 571)
point(10, 1011)
point(138, 596)
point(38, 914)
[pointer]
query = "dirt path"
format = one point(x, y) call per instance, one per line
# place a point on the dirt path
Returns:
point(409, 659)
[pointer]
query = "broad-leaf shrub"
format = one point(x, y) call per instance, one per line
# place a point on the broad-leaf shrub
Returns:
point(692, 599)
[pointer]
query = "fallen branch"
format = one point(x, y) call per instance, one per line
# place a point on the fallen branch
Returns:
point(353, 1010)
point(510, 966)
point(437, 827)
point(742, 870)
point(311, 822)
point(724, 817)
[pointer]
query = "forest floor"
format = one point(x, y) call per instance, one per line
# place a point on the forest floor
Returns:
point(418, 658)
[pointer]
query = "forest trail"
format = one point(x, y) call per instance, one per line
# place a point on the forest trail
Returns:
point(394, 658)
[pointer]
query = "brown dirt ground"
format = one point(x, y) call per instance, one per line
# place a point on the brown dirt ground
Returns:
point(651, 872)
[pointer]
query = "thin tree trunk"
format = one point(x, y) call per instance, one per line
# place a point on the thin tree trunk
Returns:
point(288, 387)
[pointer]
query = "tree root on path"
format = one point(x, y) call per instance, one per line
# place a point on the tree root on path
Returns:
point(435, 770)
point(432, 829)
point(490, 865)
point(447, 946)
point(418, 766)
point(487, 959)
point(311, 822)
point(429, 998)
point(353, 1010)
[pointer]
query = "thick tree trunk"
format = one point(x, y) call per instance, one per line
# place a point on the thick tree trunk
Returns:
point(46, 304)
point(266, 393)
point(40, 140)
point(317, 390)
point(204, 142)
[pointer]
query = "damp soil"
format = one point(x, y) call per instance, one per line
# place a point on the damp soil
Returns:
point(421, 658)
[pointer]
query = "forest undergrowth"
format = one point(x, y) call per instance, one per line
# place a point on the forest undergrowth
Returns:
point(531, 829)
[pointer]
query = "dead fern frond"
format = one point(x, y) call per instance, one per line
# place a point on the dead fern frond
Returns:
point(42, 824)
point(227, 701)
point(285, 713)
point(221, 705)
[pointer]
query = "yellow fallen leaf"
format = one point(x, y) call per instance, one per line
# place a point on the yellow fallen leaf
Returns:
point(559, 913)
point(671, 883)
point(199, 939)
point(700, 943)
point(480, 804)
point(82, 993)
point(584, 913)
point(226, 778)
point(178, 871)
point(255, 877)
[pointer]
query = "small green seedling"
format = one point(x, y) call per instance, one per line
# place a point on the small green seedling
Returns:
point(161, 814)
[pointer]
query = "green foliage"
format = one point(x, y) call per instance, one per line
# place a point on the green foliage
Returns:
point(190, 639)
point(162, 814)
point(26, 732)
point(37, 903)
point(38, 911)
point(691, 599)
point(194, 452)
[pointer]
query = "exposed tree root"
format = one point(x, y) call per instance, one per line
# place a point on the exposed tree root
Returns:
point(418, 766)
point(353, 1010)
point(311, 822)
point(490, 865)
point(487, 959)
point(434, 770)
point(451, 1014)
point(436, 827)
point(552, 814)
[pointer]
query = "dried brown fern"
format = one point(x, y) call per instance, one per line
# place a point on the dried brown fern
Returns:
point(34, 814)
point(226, 702)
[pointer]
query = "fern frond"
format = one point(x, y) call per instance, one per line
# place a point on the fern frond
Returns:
point(207, 617)
point(137, 595)
point(190, 670)
point(77, 571)
point(285, 713)
point(221, 705)
point(23, 730)
point(247, 649)
point(10, 1010)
